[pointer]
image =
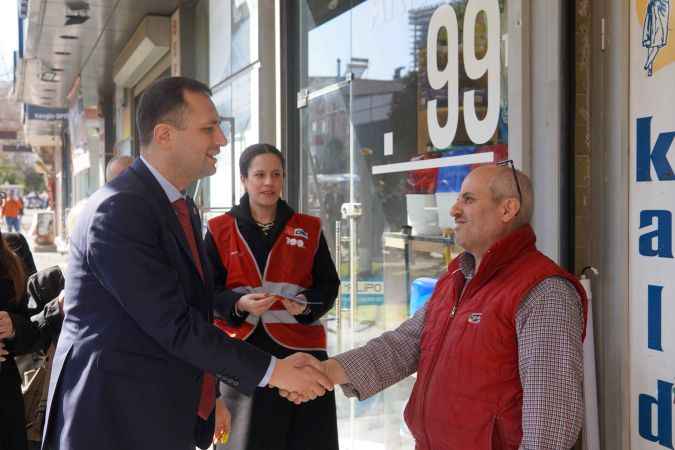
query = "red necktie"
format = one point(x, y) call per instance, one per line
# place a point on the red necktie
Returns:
point(207, 400)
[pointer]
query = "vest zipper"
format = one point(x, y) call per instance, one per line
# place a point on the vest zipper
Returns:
point(459, 300)
point(433, 363)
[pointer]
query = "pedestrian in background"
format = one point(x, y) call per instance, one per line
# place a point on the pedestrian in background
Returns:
point(274, 280)
point(12, 210)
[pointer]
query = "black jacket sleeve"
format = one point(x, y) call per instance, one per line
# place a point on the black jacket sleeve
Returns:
point(17, 242)
point(48, 324)
point(325, 286)
point(224, 299)
point(44, 288)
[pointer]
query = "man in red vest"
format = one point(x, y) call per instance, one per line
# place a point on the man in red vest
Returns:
point(498, 347)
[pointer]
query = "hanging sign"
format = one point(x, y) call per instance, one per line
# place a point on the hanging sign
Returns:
point(652, 200)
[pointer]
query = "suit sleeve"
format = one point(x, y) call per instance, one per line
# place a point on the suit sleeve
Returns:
point(224, 299)
point(325, 287)
point(127, 251)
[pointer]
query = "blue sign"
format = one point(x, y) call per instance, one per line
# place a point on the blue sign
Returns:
point(36, 112)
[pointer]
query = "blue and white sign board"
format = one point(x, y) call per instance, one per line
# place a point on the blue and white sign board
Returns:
point(652, 201)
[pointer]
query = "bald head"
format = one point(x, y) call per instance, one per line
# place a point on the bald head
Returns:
point(502, 185)
point(116, 166)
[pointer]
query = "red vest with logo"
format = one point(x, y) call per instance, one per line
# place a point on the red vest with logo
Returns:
point(288, 272)
point(468, 394)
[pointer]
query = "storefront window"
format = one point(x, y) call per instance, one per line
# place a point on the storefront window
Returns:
point(236, 103)
point(398, 100)
point(234, 77)
point(234, 37)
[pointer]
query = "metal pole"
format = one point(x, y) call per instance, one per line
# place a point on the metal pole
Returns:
point(338, 303)
point(234, 161)
point(352, 219)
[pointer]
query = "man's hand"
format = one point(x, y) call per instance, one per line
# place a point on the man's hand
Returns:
point(6, 325)
point(3, 352)
point(332, 368)
point(301, 373)
point(256, 303)
point(223, 422)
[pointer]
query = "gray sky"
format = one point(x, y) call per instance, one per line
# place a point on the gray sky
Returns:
point(8, 37)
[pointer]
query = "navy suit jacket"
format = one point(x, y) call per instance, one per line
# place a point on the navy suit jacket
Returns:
point(137, 337)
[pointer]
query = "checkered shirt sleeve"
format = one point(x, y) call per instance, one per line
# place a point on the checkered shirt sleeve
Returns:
point(549, 325)
point(384, 360)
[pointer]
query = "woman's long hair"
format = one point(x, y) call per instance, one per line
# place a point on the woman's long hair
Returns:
point(11, 267)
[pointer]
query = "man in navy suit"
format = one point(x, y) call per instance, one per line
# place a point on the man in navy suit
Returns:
point(137, 358)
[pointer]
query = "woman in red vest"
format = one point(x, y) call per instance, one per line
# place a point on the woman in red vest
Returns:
point(274, 279)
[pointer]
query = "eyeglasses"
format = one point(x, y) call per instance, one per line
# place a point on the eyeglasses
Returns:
point(509, 162)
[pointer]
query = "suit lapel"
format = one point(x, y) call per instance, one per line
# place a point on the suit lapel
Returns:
point(169, 214)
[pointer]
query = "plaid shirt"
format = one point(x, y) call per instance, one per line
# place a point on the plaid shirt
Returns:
point(549, 324)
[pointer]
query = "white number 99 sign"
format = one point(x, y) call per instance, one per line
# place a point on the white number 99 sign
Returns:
point(479, 131)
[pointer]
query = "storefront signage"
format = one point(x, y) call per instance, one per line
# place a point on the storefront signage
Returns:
point(81, 160)
point(369, 292)
point(35, 112)
point(17, 148)
point(652, 200)
point(447, 77)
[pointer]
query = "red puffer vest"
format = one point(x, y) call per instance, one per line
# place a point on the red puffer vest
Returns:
point(288, 272)
point(468, 394)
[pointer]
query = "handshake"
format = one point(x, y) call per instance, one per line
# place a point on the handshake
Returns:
point(301, 377)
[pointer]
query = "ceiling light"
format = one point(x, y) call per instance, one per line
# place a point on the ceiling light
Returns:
point(48, 76)
point(75, 19)
point(78, 12)
point(78, 5)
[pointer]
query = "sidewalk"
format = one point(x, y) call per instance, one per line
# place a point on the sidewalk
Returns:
point(43, 257)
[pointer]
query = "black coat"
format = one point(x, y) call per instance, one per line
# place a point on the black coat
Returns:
point(12, 424)
point(324, 289)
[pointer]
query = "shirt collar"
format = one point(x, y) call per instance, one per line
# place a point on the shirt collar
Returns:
point(467, 264)
point(169, 189)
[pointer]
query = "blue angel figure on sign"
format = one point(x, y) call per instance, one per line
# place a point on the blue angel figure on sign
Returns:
point(655, 30)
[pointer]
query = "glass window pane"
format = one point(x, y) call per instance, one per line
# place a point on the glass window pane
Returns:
point(325, 44)
point(391, 119)
point(233, 35)
point(220, 183)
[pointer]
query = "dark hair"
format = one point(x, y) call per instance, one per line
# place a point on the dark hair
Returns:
point(254, 150)
point(11, 268)
point(163, 101)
